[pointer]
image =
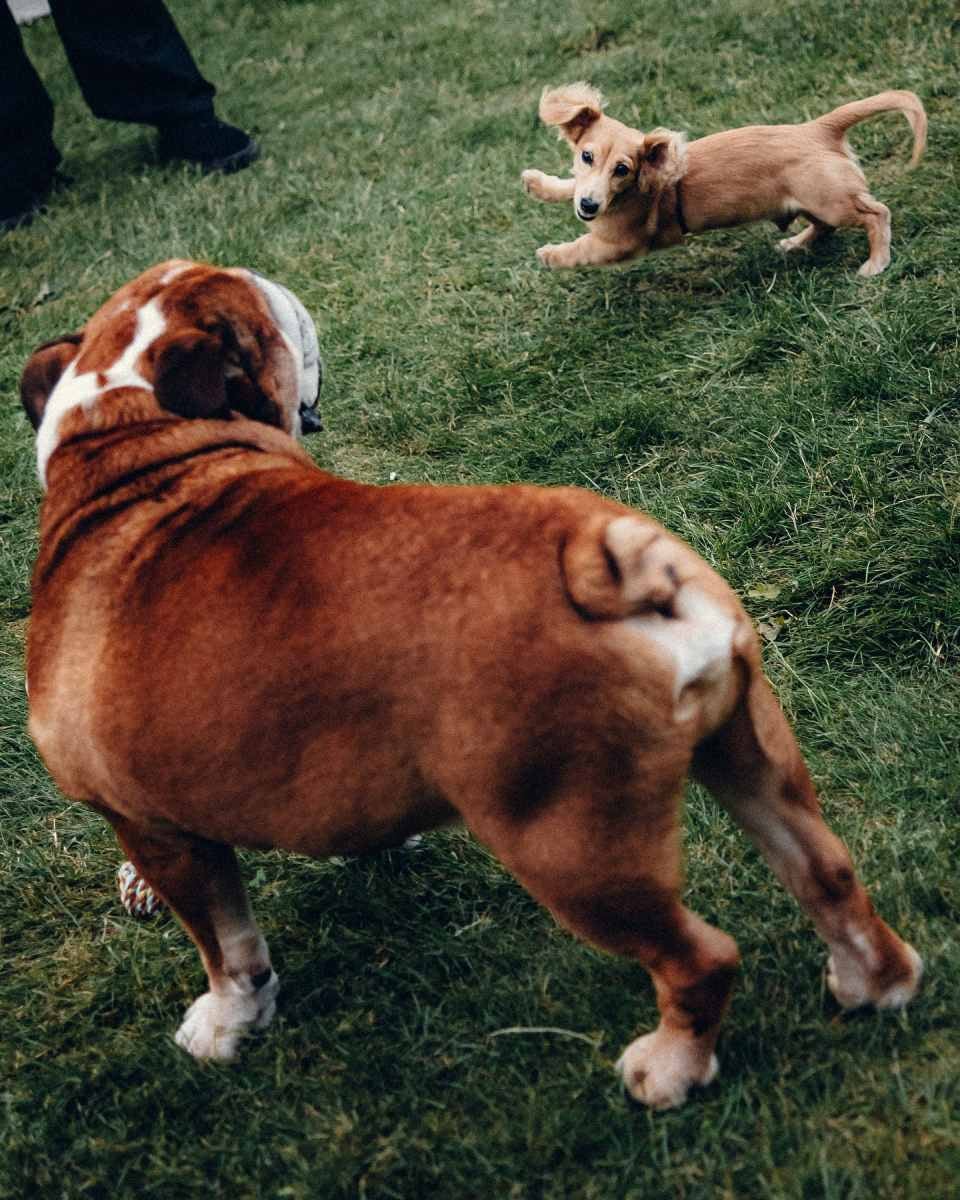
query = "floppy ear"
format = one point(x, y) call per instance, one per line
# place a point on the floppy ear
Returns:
point(210, 374)
point(42, 372)
point(189, 374)
point(663, 159)
point(573, 107)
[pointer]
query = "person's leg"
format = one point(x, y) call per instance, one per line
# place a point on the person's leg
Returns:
point(131, 62)
point(28, 156)
point(133, 65)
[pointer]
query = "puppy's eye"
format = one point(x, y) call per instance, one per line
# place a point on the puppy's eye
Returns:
point(621, 169)
point(587, 157)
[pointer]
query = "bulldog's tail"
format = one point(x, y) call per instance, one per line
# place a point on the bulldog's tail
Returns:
point(624, 566)
point(840, 119)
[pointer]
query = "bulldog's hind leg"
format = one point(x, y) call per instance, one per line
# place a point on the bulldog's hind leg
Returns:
point(608, 868)
point(754, 767)
point(200, 880)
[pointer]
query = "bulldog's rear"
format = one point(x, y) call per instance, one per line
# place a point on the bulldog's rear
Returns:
point(231, 647)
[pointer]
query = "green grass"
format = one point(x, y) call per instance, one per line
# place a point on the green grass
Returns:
point(800, 426)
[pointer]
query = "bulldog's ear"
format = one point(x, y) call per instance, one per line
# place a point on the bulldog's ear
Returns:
point(189, 374)
point(42, 372)
point(573, 108)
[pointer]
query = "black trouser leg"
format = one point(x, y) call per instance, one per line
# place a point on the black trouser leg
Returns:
point(28, 156)
point(130, 61)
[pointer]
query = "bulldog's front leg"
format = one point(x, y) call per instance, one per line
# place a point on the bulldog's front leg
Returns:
point(586, 251)
point(547, 187)
point(200, 880)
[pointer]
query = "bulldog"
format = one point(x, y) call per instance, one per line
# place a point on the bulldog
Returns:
point(231, 647)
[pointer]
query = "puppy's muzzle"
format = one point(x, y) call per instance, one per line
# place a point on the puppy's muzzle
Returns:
point(587, 209)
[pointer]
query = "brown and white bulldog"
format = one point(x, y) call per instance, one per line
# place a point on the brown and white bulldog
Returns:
point(231, 647)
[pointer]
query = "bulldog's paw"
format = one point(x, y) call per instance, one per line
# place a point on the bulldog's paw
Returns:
point(853, 988)
point(660, 1068)
point(216, 1022)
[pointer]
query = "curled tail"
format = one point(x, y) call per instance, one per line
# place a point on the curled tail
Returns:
point(632, 573)
point(840, 119)
point(622, 567)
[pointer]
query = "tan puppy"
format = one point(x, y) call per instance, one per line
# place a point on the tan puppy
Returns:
point(641, 192)
point(231, 647)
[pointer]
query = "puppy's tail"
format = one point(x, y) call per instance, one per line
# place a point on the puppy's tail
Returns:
point(846, 115)
point(617, 568)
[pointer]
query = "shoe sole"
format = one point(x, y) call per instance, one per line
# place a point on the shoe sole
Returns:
point(232, 162)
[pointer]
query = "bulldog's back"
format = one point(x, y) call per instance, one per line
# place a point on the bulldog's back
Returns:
point(286, 651)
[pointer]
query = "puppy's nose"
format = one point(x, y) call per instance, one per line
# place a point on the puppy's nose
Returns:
point(589, 207)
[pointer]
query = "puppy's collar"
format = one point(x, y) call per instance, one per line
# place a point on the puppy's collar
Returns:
point(678, 212)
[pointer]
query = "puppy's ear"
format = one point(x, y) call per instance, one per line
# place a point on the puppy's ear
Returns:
point(189, 374)
point(42, 372)
point(574, 108)
point(663, 159)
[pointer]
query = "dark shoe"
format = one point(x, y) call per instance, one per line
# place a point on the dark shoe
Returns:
point(211, 144)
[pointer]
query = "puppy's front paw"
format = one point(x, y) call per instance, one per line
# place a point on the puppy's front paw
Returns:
point(532, 181)
point(660, 1068)
point(551, 257)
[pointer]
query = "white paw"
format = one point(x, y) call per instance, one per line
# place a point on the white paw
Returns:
point(660, 1068)
point(215, 1023)
point(900, 994)
point(851, 986)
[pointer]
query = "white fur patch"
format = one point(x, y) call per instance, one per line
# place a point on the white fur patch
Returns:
point(849, 978)
point(660, 1068)
point(169, 276)
point(73, 390)
point(215, 1023)
point(299, 332)
point(699, 639)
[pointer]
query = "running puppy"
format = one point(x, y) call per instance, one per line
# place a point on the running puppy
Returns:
point(642, 192)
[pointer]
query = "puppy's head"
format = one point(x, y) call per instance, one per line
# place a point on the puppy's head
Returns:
point(610, 160)
point(183, 338)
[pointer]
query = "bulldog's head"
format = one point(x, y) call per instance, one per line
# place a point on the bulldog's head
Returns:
point(186, 339)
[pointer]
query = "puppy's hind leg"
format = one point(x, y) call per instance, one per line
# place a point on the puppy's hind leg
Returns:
point(806, 237)
point(753, 766)
point(875, 218)
point(200, 880)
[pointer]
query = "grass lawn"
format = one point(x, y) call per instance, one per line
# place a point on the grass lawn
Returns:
point(798, 425)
